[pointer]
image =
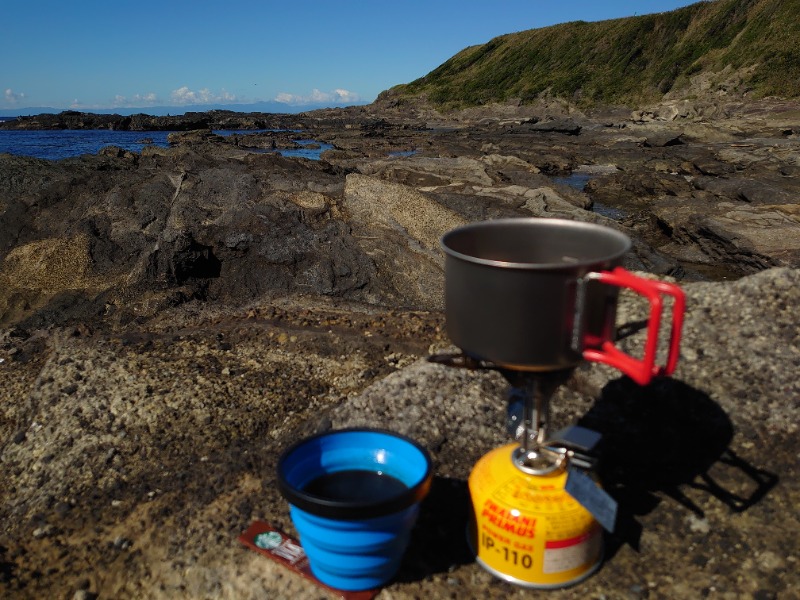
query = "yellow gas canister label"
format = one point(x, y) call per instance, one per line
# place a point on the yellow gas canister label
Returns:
point(527, 528)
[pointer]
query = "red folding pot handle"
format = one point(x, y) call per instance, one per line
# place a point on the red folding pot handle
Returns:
point(642, 371)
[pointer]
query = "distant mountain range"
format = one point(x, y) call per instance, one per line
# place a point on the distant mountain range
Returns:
point(255, 107)
point(733, 48)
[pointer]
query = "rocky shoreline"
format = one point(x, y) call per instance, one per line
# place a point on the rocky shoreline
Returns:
point(170, 320)
point(72, 119)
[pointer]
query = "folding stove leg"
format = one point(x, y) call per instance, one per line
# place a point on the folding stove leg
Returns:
point(535, 417)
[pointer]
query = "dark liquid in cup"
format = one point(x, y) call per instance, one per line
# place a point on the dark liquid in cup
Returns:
point(355, 485)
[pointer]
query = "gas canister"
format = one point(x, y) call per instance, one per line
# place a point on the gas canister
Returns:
point(527, 529)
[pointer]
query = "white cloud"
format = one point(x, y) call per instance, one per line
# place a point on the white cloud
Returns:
point(337, 96)
point(286, 98)
point(184, 95)
point(76, 104)
point(346, 96)
point(148, 99)
point(13, 97)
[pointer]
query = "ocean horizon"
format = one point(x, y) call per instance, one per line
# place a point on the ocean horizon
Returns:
point(162, 111)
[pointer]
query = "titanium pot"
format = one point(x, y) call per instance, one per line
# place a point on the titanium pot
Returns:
point(541, 295)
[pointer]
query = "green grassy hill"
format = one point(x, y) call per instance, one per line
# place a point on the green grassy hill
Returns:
point(629, 61)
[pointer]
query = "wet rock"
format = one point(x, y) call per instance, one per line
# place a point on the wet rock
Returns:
point(664, 139)
point(565, 127)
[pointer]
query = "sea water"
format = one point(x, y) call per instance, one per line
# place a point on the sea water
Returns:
point(579, 181)
point(66, 143)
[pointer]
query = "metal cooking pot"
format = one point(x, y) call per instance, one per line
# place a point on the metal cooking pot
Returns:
point(541, 295)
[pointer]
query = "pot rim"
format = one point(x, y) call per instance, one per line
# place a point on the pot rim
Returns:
point(536, 222)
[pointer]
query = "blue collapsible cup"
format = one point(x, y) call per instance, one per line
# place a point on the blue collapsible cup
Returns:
point(354, 497)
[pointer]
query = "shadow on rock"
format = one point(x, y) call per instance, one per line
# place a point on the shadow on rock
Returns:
point(439, 540)
point(6, 567)
point(661, 438)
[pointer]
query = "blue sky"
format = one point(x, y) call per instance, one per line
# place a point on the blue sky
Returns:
point(100, 54)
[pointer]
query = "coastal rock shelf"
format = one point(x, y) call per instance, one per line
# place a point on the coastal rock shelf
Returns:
point(171, 320)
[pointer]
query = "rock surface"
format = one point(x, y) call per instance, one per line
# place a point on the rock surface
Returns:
point(172, 320)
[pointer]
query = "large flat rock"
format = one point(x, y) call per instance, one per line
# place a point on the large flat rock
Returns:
point(133, 460)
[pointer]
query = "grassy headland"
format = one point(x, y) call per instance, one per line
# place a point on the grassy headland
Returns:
point(753, 43)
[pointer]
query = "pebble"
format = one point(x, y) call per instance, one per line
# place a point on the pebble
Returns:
point(770, 561)
point(42, 532)
point(636, 589)
point(122, 543)
point(698, 525)
point(62, 508)
point(70, 389)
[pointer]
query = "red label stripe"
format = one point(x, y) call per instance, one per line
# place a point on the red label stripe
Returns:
point(574, 541)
